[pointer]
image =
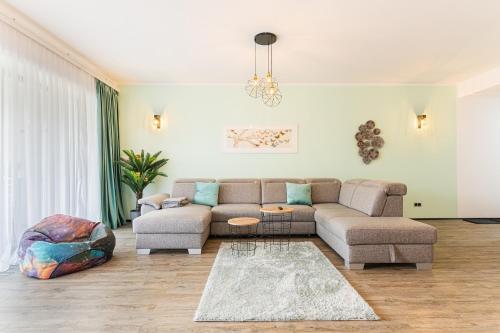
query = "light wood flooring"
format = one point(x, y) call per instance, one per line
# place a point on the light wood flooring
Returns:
point(160, 292)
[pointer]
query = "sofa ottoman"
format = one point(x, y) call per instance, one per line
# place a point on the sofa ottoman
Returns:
point(361, 240)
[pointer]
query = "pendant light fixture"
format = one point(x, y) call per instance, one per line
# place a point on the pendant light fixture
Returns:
point(267, 87)
point(252, 87)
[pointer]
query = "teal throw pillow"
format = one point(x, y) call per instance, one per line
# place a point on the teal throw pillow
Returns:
point(298, 194)
point(206, 194)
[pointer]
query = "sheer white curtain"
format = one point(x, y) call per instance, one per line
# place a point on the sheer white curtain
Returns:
point(48, 139)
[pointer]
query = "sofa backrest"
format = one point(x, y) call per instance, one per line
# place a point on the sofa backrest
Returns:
point(347, 191)
point(373, 197)
point(185, 187)
point(324, 190)
point(239, 191)
point(274, 189)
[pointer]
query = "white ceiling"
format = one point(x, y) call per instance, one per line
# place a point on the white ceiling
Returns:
point(319, 41)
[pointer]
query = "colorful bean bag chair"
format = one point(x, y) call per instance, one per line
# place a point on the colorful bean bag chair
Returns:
point(62, 244)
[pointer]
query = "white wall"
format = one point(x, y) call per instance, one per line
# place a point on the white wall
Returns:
point(478, 156)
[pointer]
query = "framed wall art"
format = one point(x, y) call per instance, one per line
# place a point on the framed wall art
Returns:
point(260, 139)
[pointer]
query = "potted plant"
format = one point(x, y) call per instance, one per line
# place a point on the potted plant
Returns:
point(138, 171)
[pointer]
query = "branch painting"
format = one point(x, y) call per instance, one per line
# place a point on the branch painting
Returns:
point(240, 139)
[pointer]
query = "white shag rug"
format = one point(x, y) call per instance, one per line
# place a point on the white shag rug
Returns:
point(298, 284)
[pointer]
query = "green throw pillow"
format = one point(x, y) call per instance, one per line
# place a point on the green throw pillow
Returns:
point(206, 194)
point(298, 194)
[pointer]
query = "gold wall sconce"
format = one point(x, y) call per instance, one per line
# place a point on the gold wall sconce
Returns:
point(421, 120)
point(156, 121)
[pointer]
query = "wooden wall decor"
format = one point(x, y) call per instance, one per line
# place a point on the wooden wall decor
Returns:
point(369, 141)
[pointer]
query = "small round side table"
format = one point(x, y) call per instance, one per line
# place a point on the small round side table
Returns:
point(244, 232)
point(276, 224)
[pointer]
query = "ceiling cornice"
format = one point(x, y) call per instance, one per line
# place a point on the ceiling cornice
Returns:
point(479, 83)
point(32, 30)
point(291, 84)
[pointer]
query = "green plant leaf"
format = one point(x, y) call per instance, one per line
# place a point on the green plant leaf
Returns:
point(140, 170)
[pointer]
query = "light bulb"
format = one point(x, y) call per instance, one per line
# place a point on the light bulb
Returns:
point(269, 78)
point(266, 83)
point(255, 80)
point(272, 97)
point(271, 88)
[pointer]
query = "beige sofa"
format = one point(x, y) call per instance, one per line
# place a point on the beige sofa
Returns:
point(360, 219)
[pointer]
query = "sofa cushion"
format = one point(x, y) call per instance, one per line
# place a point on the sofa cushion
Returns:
point(186, 187)
point(369, 196)
point(301, 213)
point(380, 230)
point(224, 212)
point(274, 189)
point(347, 191)
point(327, 211)
point(244, 191)
point(330, 205)
point(206, 194)
point(324, 190)
point(154, 200)
point(298, 194)
point(189, 219)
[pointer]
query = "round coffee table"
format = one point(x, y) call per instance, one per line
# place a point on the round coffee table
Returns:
point(244, 232)
point(276, 226)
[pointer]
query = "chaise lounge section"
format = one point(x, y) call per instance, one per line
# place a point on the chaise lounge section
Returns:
point(186, 227)
point(360, 219)
point(367, 226)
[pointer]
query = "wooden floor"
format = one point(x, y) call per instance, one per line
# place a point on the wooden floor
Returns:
point(160, 292)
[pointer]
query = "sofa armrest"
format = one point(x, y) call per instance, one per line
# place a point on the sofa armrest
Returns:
point(147, 209)
point(394, 188)
point(394, 202)
point(154, 201)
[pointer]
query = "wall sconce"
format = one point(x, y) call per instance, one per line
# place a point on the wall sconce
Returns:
point(156, 121)
point(421, 119)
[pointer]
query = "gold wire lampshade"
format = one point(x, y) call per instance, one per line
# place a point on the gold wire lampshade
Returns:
point(253, 88)
point(271, 95)
point(266, 82)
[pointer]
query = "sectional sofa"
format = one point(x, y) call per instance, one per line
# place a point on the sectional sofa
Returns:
point(360, 219)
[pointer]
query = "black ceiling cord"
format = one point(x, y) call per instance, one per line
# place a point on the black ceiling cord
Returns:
point(255, 59)
point(271, 59)
point(268, 58)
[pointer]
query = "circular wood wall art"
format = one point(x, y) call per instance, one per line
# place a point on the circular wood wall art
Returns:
point(369, 141)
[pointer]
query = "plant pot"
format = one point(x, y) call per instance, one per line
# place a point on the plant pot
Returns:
point(134, 214)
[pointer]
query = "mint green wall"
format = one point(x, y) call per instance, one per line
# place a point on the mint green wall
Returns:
point(327, 118)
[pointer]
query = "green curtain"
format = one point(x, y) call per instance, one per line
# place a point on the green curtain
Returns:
point(112, 210)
